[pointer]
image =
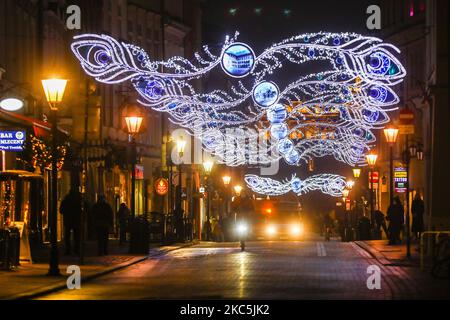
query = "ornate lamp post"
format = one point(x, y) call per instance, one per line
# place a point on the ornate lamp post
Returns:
point(54, 92)
point(390, 134)
point(181, 145)
point(134, 123)
point(237, 190)
point(410, 151)
point(371, 160)
point(347, 229)
point(208, 165)
point(226, 181)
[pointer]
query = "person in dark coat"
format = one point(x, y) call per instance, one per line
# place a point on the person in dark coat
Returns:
point(123, 217)
point(380, 223)
point(71, 210)
point(395, 216)
point(103, 220)
point(417, 209)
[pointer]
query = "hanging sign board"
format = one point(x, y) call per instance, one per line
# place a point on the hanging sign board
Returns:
point(347, 204)
point(374, 179)
point(139, 172)
point(406, 121)
point(161, 186)
point(12, 140)
point(400, 179)
point(406, 129)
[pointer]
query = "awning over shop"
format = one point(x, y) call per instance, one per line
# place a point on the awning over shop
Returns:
point(40, 127)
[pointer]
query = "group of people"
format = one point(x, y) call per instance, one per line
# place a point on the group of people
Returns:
point(395, 217)
point(102, 218)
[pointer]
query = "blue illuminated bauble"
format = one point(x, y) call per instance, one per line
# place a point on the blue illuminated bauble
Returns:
point(375, 62)
point(172, 106)
point(292, 157)
point(311, 52)
point(238, 60)
point(378, 93)
point(102, 57)
point(265, 94)
point(296, 185)
point(285, 146)
point(379, 63)
point(154, 89)
point(276, 113)
point(336, 41)
point(279, 131)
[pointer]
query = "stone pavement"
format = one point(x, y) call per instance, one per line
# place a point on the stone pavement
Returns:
point(392, 254)
point(29, 280)
point(311, 269)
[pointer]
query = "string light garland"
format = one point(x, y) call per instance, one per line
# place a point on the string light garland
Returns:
point(37, 154)
point(327, 183)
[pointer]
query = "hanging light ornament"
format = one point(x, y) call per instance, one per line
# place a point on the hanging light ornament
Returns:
point(340, 107)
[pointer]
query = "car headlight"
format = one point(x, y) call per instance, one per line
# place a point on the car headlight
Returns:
point(271, 230)
point(296, 230)
point(242, 228)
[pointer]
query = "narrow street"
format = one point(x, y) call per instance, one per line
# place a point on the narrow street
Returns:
point(311, 269)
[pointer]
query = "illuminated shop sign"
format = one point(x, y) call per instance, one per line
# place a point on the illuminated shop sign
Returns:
point(400, 179)
point(12, 140)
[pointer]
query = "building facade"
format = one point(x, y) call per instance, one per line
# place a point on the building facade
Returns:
point(419, 28)
point(36, 44)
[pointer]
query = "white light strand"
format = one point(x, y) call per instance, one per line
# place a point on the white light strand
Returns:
point(330, 184)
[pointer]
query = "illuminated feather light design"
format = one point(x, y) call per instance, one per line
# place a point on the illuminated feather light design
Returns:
point(358, 85)
point(327, 183)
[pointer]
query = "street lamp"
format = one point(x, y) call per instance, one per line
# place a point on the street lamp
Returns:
point(54, 92)
point(134, 123)
point(181, 145)
point(226, 181)
point(390, 134)
point(419, 152)
point(371, 160)
point(350, 184)
point(409, 152)
point(356, 172)
point(345, 193)
point(208, 165)
point(237, 190)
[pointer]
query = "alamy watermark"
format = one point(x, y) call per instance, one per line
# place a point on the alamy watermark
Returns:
point(373, 22)
point(374, 280)
point(74, 280)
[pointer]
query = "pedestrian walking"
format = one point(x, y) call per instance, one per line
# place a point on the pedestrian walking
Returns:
point(417, 209)
point(123, 217)
point(71, 211)
point(380, 223)
point(395, 216)
point(103, 220)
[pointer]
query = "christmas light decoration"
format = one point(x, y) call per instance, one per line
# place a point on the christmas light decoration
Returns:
point(37, 154)
point(332, 112)
point(326, 183)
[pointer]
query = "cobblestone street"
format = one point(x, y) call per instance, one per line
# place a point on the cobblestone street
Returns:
point(310, 269)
